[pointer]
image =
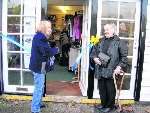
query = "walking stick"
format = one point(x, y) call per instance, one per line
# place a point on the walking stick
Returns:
point(120, 87)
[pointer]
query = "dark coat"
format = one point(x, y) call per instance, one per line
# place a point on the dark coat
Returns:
point(117, 52)
point(40, 52)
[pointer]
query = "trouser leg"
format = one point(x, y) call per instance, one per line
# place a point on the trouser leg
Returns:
point(111, 92)
point(38, 92)
point(90, 84)
point(44, 89)
point(102, 91)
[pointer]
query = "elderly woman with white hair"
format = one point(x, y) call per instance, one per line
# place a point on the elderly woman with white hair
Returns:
point(40, 53)
point(110, 57)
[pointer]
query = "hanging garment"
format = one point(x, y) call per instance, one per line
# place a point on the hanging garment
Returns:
point(77, 28)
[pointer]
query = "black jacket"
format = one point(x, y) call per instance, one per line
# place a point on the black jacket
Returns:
point(117, 52)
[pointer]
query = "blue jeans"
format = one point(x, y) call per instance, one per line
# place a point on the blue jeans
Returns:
point(39, 80)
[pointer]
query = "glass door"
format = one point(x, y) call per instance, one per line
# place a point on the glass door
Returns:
point(19, 23)
point(125, 15)
point(85, 41)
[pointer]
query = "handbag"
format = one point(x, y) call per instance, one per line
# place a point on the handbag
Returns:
point(103, 58)
point(50, 64)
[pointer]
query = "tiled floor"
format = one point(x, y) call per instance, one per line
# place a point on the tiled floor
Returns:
point(62, 88)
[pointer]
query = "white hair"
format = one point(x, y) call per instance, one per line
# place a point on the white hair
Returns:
point(41, 27)
point(112, 26)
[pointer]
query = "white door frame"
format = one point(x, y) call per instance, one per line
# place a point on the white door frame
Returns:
point(13, 88)
point(85, 42)
point(125, 94)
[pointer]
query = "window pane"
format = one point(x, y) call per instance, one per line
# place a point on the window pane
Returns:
point(14, 7)
point(109, 9)
point(14, 77)
point(129, 66)
point(27, 42)
point(130, 46)
point(27, 78)
point(104, 22)
point(126, 29)
point(13, 60)
point(126, 83)
point(11, 46)
point(13, 24)
point(28, 24)
point(29, 7)
point(127, 10)
point(26, 61)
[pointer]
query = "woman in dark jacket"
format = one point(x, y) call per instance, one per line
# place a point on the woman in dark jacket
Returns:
point(110, 57)
point(40, 53)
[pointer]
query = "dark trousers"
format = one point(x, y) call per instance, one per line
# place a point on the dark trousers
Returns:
point(44, 92)
point(90, 84)
point(107, 92)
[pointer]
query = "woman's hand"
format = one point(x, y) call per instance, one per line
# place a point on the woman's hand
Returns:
point(97, 61)
point(117, 71)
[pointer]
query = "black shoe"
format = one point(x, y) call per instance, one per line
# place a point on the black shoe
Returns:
point(107, 110)
point(99, 107)
point(42, 106)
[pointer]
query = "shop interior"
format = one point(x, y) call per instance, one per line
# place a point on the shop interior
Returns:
point(66, 37)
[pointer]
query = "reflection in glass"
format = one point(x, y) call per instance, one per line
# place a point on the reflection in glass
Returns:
point(130, 46)
point(127, 10)
point(126, 29)
point(27, 40)
point(14, 77)
point(109, 9)
point(13, 60)
point(13, 24)
point(104, 22)
point(126, 82)
point(11, 46)
point(27, 78)
point(26, 60)
point(14, 7)
point(29, 24)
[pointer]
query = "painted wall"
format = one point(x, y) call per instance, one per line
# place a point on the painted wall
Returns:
point(145, 85)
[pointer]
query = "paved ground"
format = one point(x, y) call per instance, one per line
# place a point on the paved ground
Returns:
point(16, 106)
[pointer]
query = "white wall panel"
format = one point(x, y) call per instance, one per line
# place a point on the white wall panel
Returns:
point(145, 85)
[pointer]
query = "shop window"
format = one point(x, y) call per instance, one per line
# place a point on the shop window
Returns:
point(14, 77)
point(122, 14)
point(13, 25)
point(14, 7)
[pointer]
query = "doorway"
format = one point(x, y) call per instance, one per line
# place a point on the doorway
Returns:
point(65, 17)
